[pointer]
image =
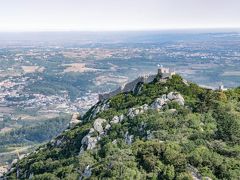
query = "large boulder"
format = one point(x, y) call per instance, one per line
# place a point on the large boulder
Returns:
point(121, 117)
point(176, 97)
point(159, 103)
point(74, 120)
point(97, 125)
point(145, 107)
point(89, 141)
point(105, 106)
point(128, 138)
point(92, 142)
point(164, 99)
point(87, 172)
point(115, 120)
point(108, 126)
point(131, 113)
point(136, 111)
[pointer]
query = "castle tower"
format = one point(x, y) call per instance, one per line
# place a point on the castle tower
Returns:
point(165, 72)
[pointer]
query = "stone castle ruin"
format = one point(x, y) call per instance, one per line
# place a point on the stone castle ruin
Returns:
point(164, 73)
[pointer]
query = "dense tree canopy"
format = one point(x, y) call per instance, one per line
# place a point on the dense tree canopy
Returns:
point(201, 138)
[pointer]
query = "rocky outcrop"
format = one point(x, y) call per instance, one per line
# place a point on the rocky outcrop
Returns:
point(87, 173)
point(3, 169)
point(117, 119)
point(57, 142)
point(158, 104)
point(128, 138)
point(90, 140)
point(166, 98)
point(101, 126)
point(100, 107)
point(98, 125)
point(149, 135)
point(176, 97)
point(195, 173)
point(74, 120)
point(132, 112)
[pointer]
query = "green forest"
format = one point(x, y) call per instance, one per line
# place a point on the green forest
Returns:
point(178, 142)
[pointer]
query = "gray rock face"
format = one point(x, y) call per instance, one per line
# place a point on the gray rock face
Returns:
point(114, 141)
point(89, 141)
point(164, 99)
point(31, 175)
point(105, 106)
point(57, 142)
point(108, 126)
point(142, 126)
point(145, 107)
point(92, 142)
point(128, 138)
point(85, 139)
point(185, 82)
point(121, 117)
point(156, 105)
point(176, 97)
point(172, 111)
point(97, 125)
point(136, 111)
point(115, 120)
point(87, 172)
point(14, 162)
point(100, 108)
point(194, 172)
point(74, 120)
point(132, 112)
point(96, 111)
point(159, 103)
point(91, 131)
point(149, 135)
point(81, 150)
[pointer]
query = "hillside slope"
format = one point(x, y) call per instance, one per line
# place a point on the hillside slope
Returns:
point(162, 130)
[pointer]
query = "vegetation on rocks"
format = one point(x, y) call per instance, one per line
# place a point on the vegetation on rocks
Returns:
point(198, 139)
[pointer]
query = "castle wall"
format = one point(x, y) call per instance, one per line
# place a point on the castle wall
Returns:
point(127, 87)
point(131, 85)
point(150, 78)
point(164, 72)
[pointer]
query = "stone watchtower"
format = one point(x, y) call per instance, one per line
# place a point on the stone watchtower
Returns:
point(165, 72)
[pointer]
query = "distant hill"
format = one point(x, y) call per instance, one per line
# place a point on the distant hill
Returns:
point(169, 129)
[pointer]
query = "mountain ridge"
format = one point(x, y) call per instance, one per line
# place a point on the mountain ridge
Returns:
point(163, 130)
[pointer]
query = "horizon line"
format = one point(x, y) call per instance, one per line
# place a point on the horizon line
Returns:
point(121, 30)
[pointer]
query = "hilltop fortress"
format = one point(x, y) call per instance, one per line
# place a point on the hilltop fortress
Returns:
point(164, 73)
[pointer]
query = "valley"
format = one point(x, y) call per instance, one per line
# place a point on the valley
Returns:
point(43, 81)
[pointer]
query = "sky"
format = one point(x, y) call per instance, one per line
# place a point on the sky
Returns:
point(117, 15)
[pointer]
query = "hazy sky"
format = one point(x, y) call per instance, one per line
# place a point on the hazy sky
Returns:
point(34, 15)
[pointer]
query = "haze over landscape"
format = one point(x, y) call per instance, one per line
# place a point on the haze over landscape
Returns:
point(176, 114)
point(102, 15)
